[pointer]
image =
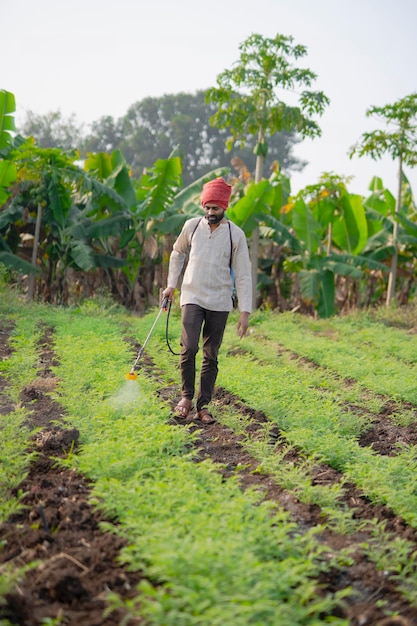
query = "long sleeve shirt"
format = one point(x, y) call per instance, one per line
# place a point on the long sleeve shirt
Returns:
point(207, 278)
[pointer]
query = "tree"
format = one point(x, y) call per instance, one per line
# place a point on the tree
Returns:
point(106, 135)
point(401, 144)
point(52, 130)
point(249, 102)
point(156, 127)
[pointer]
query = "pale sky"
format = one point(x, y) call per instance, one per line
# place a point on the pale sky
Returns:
point(95, 57)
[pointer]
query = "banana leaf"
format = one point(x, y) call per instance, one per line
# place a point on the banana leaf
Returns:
point(157, 188)
point(8, 174)
point(15, 263)
point(251, 209)
point(7, 126)
point(306, 227)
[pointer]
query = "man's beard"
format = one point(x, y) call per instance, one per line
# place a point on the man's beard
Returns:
point(215, 219)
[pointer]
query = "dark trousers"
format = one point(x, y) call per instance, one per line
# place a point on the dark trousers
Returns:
point(213, 323)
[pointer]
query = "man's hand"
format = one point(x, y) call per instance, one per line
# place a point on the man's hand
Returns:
point(168, 293)
point(243, 323)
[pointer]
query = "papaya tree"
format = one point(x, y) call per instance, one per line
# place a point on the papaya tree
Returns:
point(401, 144)
point(250, 103)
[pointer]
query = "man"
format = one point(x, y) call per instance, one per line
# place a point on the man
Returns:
point(217, 250)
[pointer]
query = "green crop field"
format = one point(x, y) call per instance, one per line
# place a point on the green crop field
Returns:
point(297, 507)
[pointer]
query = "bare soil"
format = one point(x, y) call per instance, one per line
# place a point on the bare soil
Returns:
point(77, 563)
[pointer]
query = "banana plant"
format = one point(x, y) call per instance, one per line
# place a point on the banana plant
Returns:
point(45, 193)
point(54, 200)
point(147, 201)
point(321, 233)
point(334, 227)
point(383, 217)
point(316, 265)
point(8, 175)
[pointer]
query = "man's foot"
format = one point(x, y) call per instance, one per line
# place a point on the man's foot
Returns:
point(205, 416)
point(183, 408)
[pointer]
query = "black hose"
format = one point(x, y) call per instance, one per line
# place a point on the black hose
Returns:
point(166, 332)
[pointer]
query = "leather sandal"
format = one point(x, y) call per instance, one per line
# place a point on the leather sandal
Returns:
point(183, 408)
point(205, 416)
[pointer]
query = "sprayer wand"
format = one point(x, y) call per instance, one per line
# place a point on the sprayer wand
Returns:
point(132, 374)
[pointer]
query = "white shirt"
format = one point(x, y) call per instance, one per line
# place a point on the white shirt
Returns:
point(207, 280)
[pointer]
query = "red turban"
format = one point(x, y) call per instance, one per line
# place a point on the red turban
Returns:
point(216, 191)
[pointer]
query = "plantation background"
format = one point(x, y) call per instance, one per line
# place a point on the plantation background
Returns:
point(73, 226)
point(298, 506)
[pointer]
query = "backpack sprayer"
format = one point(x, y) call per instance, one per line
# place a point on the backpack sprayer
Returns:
point(165, 306)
